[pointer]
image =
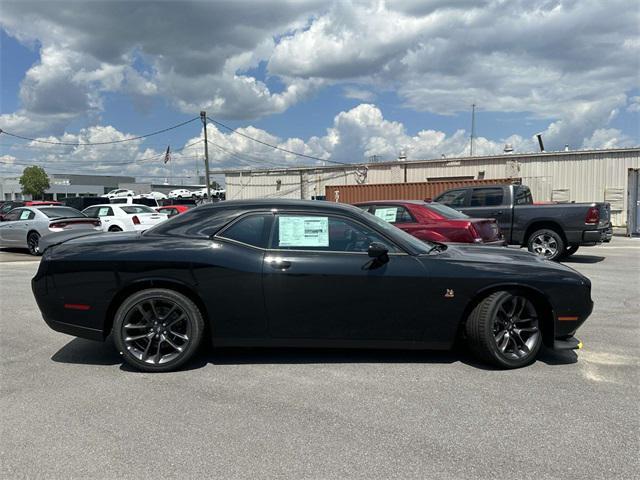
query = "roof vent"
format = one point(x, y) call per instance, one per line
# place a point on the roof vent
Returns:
point(402, 156)
point(508, 148)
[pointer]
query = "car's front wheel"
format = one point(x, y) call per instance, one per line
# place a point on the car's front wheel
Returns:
point(33, 241)
point(504, 330)
point(158, 330)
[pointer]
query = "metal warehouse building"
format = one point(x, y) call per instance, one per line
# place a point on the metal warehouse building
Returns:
point(567, 176)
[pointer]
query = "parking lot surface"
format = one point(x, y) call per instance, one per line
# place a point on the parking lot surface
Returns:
point(68, 409)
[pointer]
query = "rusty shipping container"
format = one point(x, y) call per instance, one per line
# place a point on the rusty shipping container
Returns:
point(402, 191)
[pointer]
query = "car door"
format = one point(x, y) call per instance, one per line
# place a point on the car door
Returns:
point(7, 226)
point(17, 234)
point(489, 202)
point(320, 283)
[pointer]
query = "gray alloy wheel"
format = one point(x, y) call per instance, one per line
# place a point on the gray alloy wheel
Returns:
point(546, 243)
point(157, 330)
point(33, 240)
point(504, 330)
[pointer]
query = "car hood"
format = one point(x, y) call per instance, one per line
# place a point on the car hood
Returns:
point(503, 255)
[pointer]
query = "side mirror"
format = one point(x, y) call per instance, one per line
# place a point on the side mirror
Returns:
point(378, 252)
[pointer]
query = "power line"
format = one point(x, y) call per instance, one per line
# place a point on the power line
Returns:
point(275, 146)
point(99, 143)
point(249, 160)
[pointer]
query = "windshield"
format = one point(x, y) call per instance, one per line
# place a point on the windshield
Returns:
point(138, 209)
point(446, 212)
point(59, 212)
point(393, 232)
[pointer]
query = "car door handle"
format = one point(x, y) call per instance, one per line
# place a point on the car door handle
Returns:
point(496, 212)
point(278, 263)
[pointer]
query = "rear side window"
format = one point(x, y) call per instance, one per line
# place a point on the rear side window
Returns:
point(454, 198)
point(486, 197)
point(523, 196)
point(393, 214)
point(27, 215)
point(251, 230)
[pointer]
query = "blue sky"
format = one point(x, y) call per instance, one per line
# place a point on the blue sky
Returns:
point(340, 81)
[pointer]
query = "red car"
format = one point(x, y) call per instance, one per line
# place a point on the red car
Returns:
point(173, 210)
point(433, 221)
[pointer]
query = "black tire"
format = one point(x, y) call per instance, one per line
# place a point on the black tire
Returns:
point(570, 251)
point(115, 229)
point(546, 243)
point(148, 322)
point(494, 337)
point(33, 241)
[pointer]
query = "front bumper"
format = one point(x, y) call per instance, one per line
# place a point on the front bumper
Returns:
point(570, 343)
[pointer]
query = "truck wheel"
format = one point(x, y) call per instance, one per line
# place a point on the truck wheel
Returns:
point(546, 243)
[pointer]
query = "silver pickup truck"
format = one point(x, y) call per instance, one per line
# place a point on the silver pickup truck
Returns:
point(554, 231)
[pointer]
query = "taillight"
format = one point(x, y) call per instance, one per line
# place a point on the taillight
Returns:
point(593, 216)
point(136, 220)
point(474, 233)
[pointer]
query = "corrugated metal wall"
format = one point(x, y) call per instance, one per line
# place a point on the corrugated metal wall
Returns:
point(581, 176)
point(405, 191)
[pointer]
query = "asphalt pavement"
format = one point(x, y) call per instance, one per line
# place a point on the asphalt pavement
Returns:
point(69, 409)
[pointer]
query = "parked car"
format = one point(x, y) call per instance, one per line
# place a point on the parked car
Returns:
point(435, 222)
point(80, 203)
point(129, 217)
point(9, 205)
point(120, 192)
point(23, 227)
point(137, 199)
point(181, 193)
point(154, 195)
point(552, 231)
point(173, 210)
point(303, 273)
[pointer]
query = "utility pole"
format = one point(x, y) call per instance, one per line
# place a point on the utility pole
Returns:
point(473, 128)
point(203, 117)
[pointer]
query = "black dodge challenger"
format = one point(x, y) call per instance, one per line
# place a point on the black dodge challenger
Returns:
point(302, 273)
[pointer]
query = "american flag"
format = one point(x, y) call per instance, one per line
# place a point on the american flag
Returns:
point(167, 155)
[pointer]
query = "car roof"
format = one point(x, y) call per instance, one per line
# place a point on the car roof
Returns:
point(399, 202)
point(265, 203)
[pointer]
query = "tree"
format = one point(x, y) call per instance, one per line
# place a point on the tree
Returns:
point(34, 181)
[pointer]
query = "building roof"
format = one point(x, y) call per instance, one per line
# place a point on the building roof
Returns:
point(503, 156)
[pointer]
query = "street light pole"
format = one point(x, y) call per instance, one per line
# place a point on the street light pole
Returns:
point(203, 117)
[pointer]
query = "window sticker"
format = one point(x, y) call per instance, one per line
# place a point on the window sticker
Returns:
point(387, 214)
point(103, 212)
point(24, 215)
point(303, 232)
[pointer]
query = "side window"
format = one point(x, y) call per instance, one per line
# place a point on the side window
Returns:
point(252, 230)
point(91, 212)
point(454, 198)
point(105, 212)
point(324, 233)
point(395, 214)
point(523, 196)
point(26, 215)
point(488, 197)
point(13, 215)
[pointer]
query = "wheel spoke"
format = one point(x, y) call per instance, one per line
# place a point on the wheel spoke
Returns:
point(173, 345)
point(137, 337)
point(171, 310)
point(145, 354)
point(179, 335)
point(500, 336)
point(172, 323)
point(157, 357)
point(505, 341)
point(153, 308)
point(135, 325)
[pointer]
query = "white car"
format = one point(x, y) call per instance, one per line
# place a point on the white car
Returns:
point(202, 193)
point(120, 192)
point(180, 193)
point(125, 217)
point(154, 195)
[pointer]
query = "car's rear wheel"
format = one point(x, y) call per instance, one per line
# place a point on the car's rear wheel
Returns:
point(115, 229)
point(158, 330)
point(504, 330)
point(546, 243)
point(33, 241)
